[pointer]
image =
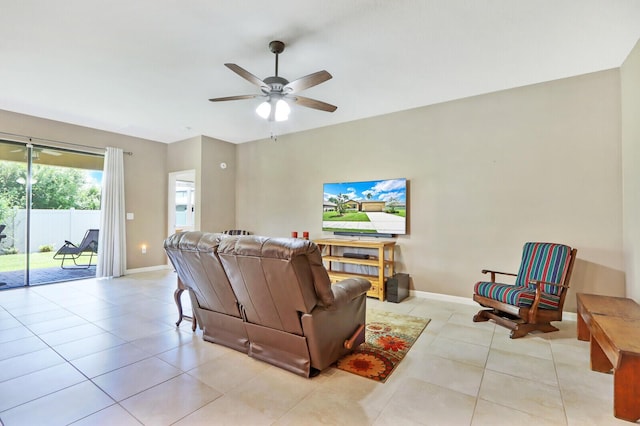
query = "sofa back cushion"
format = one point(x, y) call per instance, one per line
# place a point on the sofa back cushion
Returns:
point(194, 256)
point(275, 279)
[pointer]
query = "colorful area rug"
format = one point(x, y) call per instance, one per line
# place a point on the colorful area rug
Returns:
point(388, 338)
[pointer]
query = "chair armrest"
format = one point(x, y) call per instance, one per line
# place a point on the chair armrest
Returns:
point(347, 290)
point(494, 273)
point(533, 310)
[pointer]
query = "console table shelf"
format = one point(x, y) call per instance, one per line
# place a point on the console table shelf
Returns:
point(354, 261)
point(383, 261)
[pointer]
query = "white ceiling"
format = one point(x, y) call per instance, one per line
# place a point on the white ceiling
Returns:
point(147, 68)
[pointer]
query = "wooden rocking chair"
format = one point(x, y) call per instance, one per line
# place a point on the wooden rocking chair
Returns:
point(537, 296)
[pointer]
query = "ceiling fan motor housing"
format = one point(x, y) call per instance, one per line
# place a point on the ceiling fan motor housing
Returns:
point(276, 83)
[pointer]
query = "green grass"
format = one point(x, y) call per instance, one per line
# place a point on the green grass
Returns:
point(16, 262)
point(355, 216)
point(347, 217)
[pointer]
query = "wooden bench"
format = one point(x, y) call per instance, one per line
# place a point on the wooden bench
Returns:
point(612, 325)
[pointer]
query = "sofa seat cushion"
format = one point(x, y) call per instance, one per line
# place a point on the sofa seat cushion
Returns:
point(521, 296)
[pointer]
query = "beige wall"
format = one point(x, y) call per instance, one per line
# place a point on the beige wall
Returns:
point(218, 185)
point(630, 83)
point(215, 186)
point(486, 174)
point(187, 155)
point(145, 179)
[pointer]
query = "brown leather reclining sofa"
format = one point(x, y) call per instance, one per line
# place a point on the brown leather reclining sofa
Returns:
point(270, 298)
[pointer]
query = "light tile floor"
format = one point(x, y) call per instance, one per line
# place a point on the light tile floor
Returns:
point(107, 352)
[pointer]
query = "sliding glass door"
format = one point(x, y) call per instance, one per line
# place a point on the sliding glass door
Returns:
point(13, 190)
point(49, 198)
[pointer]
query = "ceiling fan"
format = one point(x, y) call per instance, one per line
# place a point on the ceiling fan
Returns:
point(277, 90)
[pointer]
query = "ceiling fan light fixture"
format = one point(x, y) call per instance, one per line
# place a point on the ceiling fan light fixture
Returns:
point(273, 109)
point(282, 110)
point(264, 109)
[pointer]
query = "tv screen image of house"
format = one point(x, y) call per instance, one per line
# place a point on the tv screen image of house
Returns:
point(369, 207)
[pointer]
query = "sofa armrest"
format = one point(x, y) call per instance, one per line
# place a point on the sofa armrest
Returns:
point(347, 290)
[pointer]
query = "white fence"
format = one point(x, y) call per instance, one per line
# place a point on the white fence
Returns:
point(49, 227)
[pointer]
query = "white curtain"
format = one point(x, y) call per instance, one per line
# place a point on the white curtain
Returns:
point(112, 250)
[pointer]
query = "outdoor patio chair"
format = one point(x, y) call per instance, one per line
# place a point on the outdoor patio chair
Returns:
point(538, 295)
point(88, 247)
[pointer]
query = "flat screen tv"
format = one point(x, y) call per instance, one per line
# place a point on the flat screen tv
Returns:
point(374, 207)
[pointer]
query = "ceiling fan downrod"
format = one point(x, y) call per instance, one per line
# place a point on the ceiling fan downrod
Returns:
point(276, 47)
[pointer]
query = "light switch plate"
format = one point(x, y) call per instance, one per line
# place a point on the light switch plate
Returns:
point(129, 216)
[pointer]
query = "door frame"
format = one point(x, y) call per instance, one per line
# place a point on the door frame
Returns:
point(186, 175)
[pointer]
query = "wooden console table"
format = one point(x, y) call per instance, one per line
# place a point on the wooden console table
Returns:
point(177, 297)
point(383, 260)
point(612, 325)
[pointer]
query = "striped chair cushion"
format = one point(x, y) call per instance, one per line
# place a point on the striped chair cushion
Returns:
point(520, 296)
point(544, 262)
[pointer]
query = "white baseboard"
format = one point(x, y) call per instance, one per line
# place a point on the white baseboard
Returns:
point(571, 316)
point(147, 269)
point(442, 297)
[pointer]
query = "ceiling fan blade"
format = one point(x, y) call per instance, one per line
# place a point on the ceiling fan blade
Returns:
point(313, 103)
point(41, 150)
point(234, 98)
point(307, 81)
point(249, 77)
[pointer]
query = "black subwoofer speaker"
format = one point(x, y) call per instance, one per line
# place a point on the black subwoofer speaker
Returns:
point(397, 287)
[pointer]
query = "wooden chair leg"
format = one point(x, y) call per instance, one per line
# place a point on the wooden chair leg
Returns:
point(517, 333)
point(481, 316)
point(176, 297)
point(523, 329)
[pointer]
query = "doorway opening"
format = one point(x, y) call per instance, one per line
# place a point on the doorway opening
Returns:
point(182, 202)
